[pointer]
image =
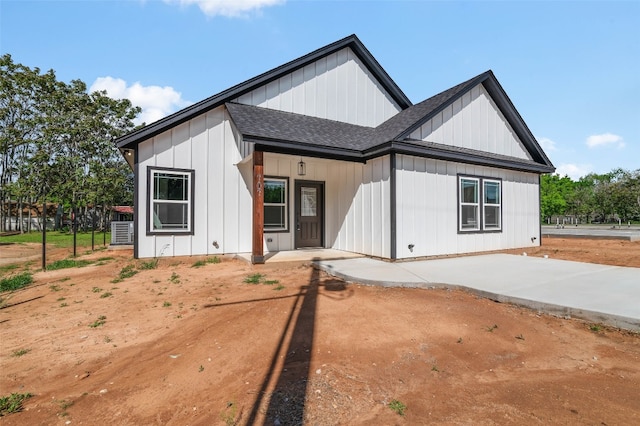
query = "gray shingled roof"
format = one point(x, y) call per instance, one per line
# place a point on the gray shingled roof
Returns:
point(256, 123)
point(300, 134)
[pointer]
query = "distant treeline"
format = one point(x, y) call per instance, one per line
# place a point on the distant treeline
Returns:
point(595, 197)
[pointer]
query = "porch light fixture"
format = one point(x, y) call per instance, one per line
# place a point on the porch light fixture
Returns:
point(302, 168)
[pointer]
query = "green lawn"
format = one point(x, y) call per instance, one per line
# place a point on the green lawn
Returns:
point(58, 239)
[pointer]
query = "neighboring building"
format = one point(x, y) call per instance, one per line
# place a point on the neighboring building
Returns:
point(326, 151)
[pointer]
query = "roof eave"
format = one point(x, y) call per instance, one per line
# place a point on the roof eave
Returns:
point(399, 147)
point(307, 150)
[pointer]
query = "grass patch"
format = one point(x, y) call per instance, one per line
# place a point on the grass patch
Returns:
point(230, 413)
point(259, 278)
point(208, 260)
point(20, 352)
point(16, 282)
point(150, 264)
point(254, 279)
point(99, 322)
point(279, 287)
point(12, 403)
point(105, 295)
point(56, 238)
point(175, 278)
point(8, 268)
point(166, 304)
point(68, 263)
point(596, 328)
point(126, 272)
point(54, 287)
point(398, 407)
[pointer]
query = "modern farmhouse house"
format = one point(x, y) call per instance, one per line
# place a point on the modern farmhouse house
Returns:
point(327, 151)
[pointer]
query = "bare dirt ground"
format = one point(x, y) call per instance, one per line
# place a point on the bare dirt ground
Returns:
point(182, 345)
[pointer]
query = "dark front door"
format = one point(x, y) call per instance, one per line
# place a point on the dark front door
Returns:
point(309, 214)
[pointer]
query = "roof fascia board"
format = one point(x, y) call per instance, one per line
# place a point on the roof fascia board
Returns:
point(286, 147)
point(292, 148)
point(214, 101)
point(460, 157)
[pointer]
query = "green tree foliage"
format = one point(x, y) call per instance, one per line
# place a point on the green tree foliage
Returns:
point(604, 197)
point(57, 139)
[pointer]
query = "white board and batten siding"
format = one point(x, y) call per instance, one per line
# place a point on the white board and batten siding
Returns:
point(473, 121)
point(336, 87)
point(208, 145)
point(427, 208)
point(356, 207)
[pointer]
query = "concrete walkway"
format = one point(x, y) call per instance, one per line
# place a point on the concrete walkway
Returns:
point(598, 293)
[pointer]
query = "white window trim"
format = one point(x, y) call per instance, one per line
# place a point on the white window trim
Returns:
point(480, 205)
point(463, 204)
point(285, 204)
point(151, 230)
point(499, 205)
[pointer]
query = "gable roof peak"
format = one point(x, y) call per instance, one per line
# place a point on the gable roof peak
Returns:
point(351, 41)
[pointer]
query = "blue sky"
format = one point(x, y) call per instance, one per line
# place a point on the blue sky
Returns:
point(571, 68)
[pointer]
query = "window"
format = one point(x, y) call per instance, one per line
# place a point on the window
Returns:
point(170, 201)
point(491, 205)
point(275, 204)
point(469, 204)
point(480, 204)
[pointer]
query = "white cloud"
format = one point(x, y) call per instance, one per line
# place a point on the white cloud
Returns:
point(547, 144)
point(228, 8)
point(574, 171)
point(605, 139)
point(156, 102)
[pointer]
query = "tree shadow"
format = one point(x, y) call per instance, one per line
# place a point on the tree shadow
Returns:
point(289, 370)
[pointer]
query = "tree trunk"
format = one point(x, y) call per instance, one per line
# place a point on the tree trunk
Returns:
point(29, 215)
point(2, 215)
point(20, 216)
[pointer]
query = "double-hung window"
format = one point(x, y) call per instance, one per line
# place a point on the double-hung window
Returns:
point(469, 204)
point(170, 201)
point(491, 203)
point(479, 204)
point(275, 205)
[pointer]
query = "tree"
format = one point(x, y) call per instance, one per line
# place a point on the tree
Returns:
point(56, 138)
point(554, 192)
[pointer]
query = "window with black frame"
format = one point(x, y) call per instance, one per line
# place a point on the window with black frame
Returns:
point(479, 204)
point(275, 204)
point(171, 203)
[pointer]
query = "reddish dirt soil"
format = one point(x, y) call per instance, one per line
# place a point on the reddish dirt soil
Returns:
point(182, 345)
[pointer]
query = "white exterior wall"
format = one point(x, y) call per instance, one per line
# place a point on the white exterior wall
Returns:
point(473, 121)
point(222, 203)
point(336, 87)
point(427, 206)
point(356, 204)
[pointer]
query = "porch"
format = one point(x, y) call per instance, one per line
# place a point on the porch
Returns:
point(303, 255)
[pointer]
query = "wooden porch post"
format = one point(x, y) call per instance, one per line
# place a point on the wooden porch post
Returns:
point(257, 255)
